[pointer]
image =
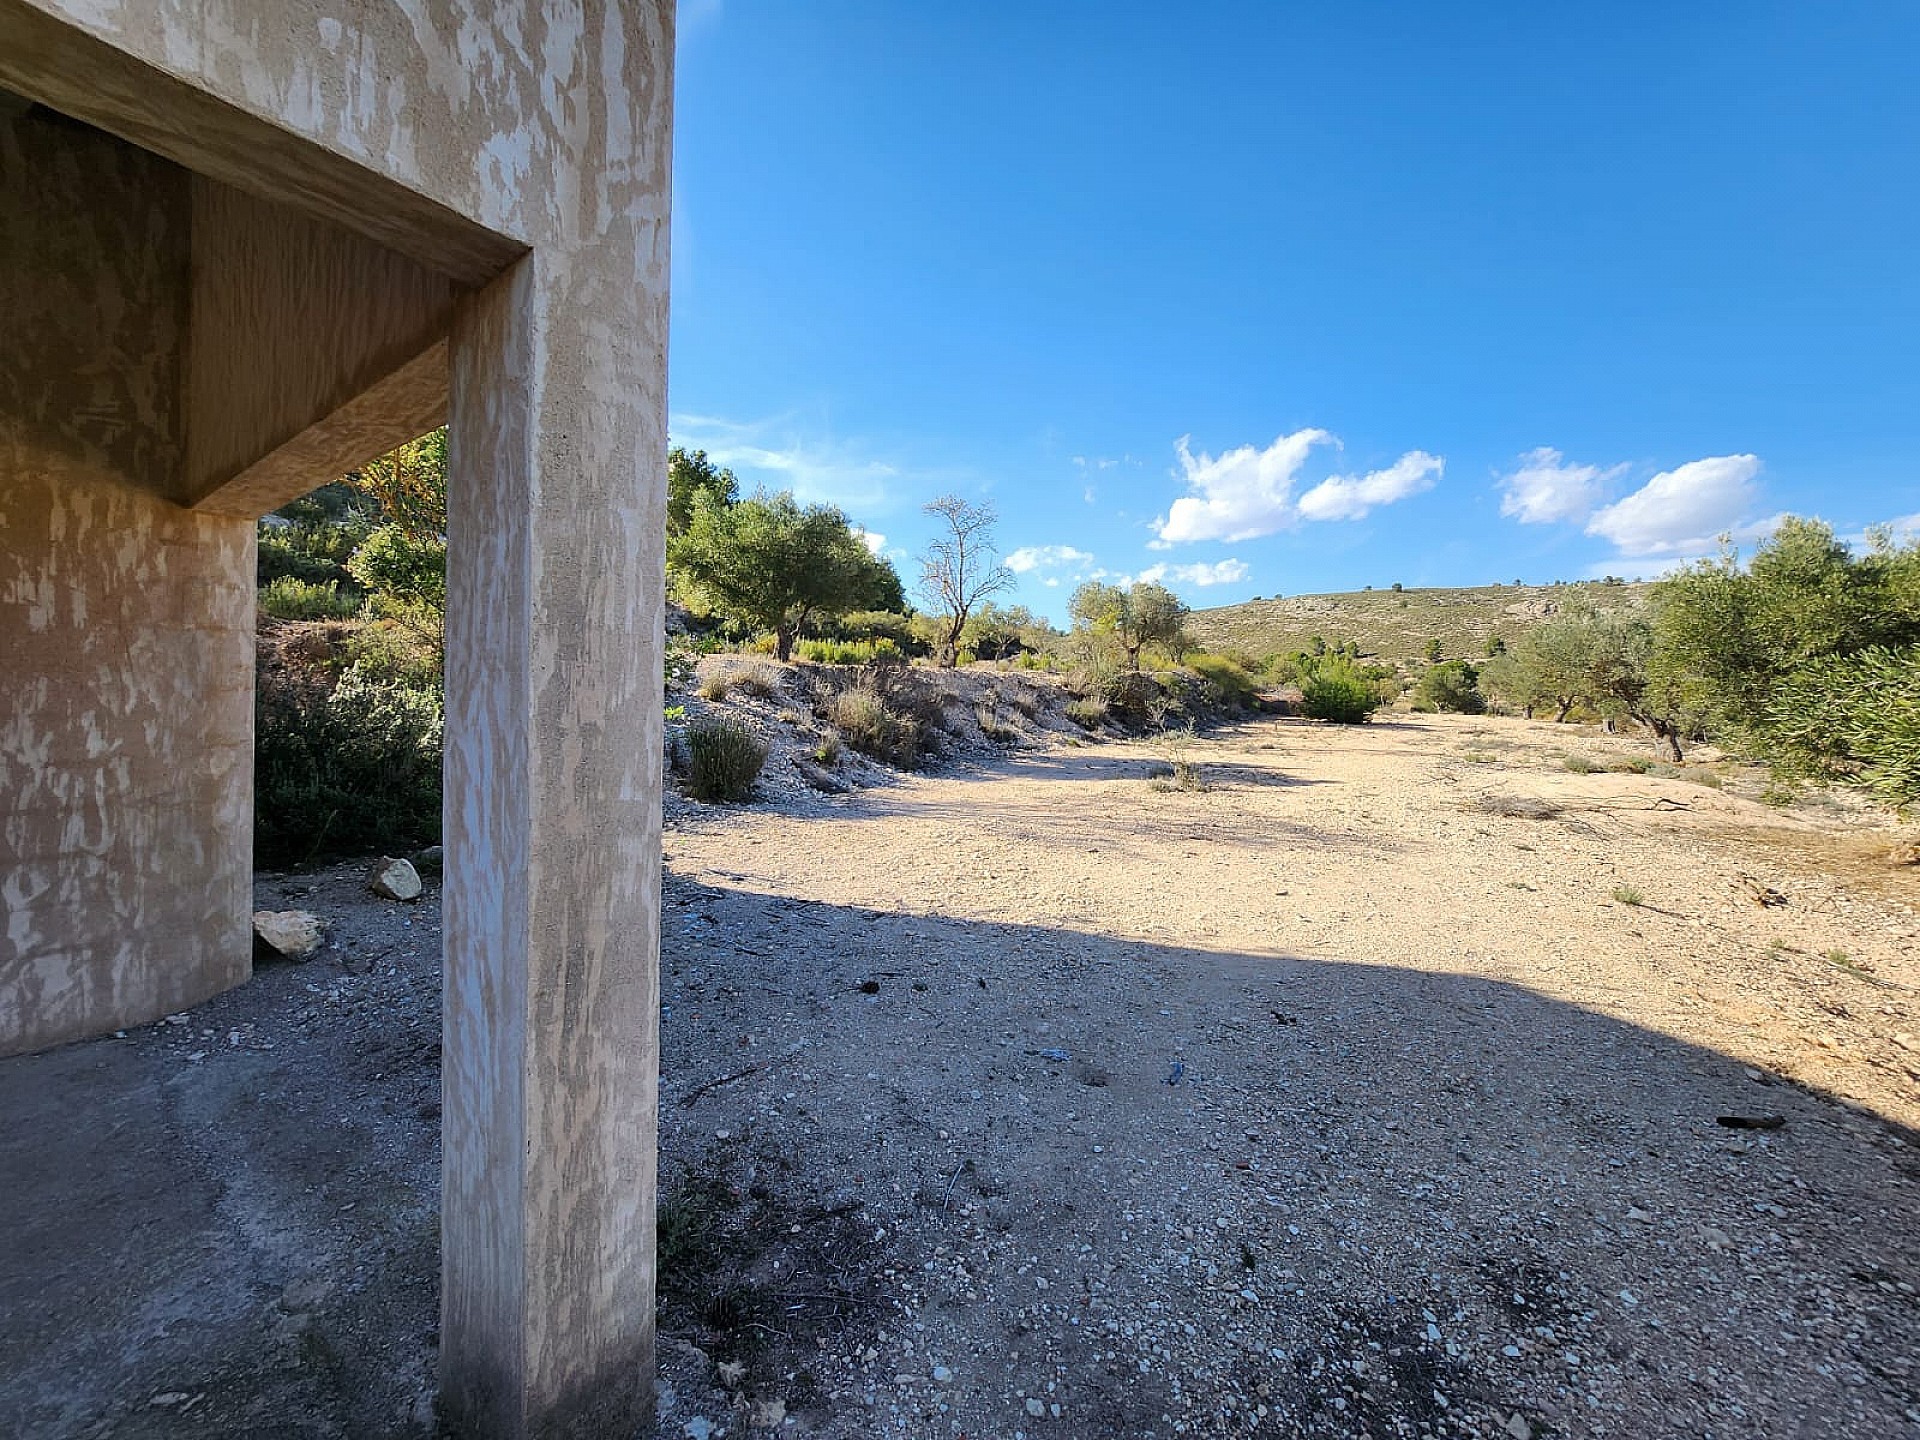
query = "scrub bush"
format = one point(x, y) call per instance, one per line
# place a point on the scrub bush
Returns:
point(724, 760)
point(1338, 692)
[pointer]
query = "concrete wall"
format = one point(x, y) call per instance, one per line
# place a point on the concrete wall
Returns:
point(126, 688)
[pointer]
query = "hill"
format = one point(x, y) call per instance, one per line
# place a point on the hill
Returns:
point(1397, 625)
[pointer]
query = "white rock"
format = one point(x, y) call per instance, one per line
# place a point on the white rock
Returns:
point(296, 934)
point(1035, 1408)
point(395, 880)
point(942, 1375)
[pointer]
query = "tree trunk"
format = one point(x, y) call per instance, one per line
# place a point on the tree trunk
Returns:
point(1669, 735)
point(1133, 658)
point(782, 644)
point(1566, 707)
point(949, 655)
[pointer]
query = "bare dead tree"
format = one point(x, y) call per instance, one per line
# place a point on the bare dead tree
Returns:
point(961, 567)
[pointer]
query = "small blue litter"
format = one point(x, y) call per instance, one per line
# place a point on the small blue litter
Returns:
point(1053, 1055)
point(1176, 1073)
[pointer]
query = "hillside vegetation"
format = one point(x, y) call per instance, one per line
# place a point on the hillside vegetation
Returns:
point(1398, 626)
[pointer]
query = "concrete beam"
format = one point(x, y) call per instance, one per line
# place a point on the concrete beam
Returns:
point(49, 57)
point(312, 350)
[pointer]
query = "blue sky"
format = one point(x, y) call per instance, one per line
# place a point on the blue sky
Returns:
point(1269, 299)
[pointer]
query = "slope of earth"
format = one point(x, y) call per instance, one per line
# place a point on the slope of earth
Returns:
point(1396, 626)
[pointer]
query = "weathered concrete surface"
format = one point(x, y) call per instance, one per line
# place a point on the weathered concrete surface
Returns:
point(314, 350)
point(126, 716)
point(466, 134)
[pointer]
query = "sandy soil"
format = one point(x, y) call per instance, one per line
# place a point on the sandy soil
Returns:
point(1345, 1097)
point(1443, 1155)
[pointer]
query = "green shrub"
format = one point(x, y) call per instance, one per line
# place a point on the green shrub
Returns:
point(1337, 691)
point(1229, 681)
point(384, 650)
point(751, 679)
point(1581, 765)
point(848, 652)
point(354, 769)
point(723, 760)
point(1453, 685)
point(1854, 718)
point(402, 568)
point(867, 723)
point(1089, 713)
point(290, 598)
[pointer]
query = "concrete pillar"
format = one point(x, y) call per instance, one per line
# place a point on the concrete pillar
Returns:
point(126, 622)
point(553, 852)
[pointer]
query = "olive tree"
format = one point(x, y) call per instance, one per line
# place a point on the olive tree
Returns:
point(1146, 613)
point(769, 562)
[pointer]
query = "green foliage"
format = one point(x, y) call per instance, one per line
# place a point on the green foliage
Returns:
point(1750, 650)
point(691, 475)
point(1229, 683)
point(874, 625)
point(1627, 895)
point(866, 722)
point(1452, 685)
point(1435, 651)
point(351, 770)
point(1144, 614)
point(290, 598)
point(995, 632)
point(382, 650)
point(408, 486)
point(1336, 690)
point(848, 652)
point(403, 571)
point(772, 564)
point(1854, 718)
point(1089, 712)
point(723, 760)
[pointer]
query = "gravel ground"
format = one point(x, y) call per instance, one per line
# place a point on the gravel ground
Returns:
point(1323, 1102)
point(1346, 1097)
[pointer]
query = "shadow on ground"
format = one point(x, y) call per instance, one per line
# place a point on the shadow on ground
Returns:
point(227, 1226)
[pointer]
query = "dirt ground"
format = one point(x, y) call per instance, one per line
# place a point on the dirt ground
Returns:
point(1376, 1089)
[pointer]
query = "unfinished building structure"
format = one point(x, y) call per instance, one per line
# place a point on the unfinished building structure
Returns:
point(245, 247)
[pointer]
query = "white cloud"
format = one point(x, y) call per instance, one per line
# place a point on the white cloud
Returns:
point(1247, 493)
point(1680, 511)
point(1903, 529)
point(1047, 557)
point(1202, 574)
point(1241, 495)
point(1350, 497)
point(873, 539)
point(818, 471)
point(1545, 488)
